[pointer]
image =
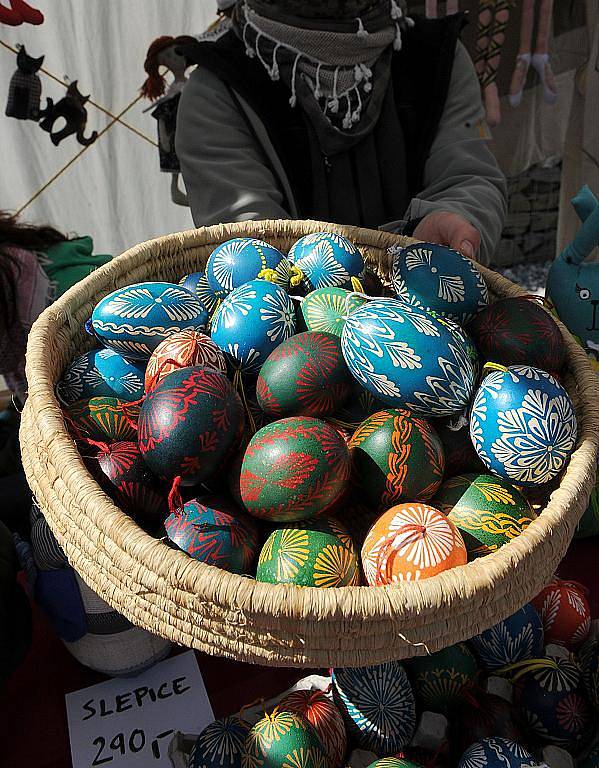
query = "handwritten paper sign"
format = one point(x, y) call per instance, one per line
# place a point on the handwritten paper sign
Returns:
point(129, 722)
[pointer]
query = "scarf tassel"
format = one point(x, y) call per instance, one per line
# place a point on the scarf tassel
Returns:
point(362, 31)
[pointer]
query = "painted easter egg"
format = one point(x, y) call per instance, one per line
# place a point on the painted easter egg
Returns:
point(411, 541)
point(215, 532)
point(523, 425)
point(238, 261)
point(439, 279)
point(565, 613)
point(591, 760)
point(517, 638)
point(394, 762)
point(328, 261)
point(438, 680)
point(304, 376)
point(185, 349)
point(377, 705)
point(589, 662)
point(550, 703)
point(251, 322)
point(104, 418)
point(460, 456)
point(189, 424)
point(294, 469)
point(220, 744)
point(481, 715)
point(101, 373)
point(316, 553)
point(496, 752)
point(518, 331)
point(409, 358)
point(487, 510)
point(135, 319)
point(359, 405)
point(284, 740)
point(396, 456)
point(198, 284)
point(324, 717)
point(326, 309)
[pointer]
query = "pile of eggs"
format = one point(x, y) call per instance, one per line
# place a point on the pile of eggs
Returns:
point(548, 695)
point(239, 414)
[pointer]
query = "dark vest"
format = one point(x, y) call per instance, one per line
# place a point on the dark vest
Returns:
point(373, 182)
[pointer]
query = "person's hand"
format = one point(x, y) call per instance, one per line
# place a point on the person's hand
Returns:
point(449, 229)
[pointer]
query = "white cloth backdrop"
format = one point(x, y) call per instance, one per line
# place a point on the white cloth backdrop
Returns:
point(115, 192)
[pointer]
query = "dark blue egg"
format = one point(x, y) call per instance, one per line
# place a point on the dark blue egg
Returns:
point(328, 261)
point(102, 373)
point(236, 262)
point(198, 284)
point(516, 638)
point(220, 744)
point(496, 753)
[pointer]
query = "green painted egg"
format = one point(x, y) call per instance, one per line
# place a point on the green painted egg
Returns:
point(396, 456)
point(326, 309)
point(104, 418)
point(317, 553)
point(305, 375)
point(284, 740)
point(440, 679)
point(294, 469)
point(487, 509)
point(393, 762)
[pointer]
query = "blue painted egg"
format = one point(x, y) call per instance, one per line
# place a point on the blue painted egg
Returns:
point(251, 322)
point(523, 425)
point(516, 638)
point(198, 284)
point(134, 320)
point(101, 373)
point(220, 744)
point(496, 752)
point(236, 262)
point(439, 279)
point(328, 260)
point(410, 358)
point(591, 760)
point(378, 706)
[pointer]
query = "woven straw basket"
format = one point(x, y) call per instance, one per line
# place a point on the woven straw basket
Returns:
point(203, 607)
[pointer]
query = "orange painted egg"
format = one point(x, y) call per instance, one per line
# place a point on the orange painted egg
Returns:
point(324, 717)
point(411, 541)
point(184, 349)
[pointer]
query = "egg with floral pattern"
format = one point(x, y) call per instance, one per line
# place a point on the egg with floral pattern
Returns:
point(103, 418)
point(438, 279)
point(284, 739)
point(377, 704)
point(190, 424)
point(294, 469)
point(326, 309)
point(523, 425)
point(198, 284)
point(251, 322)
point(565, 613)
point(135, 319)
point(394, 762)
point(220, 744)
point(324, 717)
point(314, 553)
point(589, 661)
point(395, 456)
point(183, 350)
point(496, 752)
point(517, 638)
point(101, 373)
point(213, 531)
point(409, 542)
point(327, 260)
point(488, 511)
point(439, 679)
point(409, 358)
point(242, 259)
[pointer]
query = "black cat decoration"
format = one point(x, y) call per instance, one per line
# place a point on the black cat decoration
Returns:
point(72, 109)
point(25, 88)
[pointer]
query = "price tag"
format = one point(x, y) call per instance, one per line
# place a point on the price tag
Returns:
point(129, 722)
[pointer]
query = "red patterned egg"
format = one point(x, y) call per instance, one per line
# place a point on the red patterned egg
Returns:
point(305, 375)
point(190, 424)
point(324, 716)
point(103, 418)
point(184, 349)
point(565, 613)
point(396, 456)
point(294, 469)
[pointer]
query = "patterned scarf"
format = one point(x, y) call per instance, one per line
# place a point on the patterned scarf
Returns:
point(337, 70)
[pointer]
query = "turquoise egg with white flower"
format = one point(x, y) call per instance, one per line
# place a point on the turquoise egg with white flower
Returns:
point(496, 752)
point(197, 283)
point(523, 425)
point(102, 373)
point(438, 279)
point(327, 260)
point(253, 320)
point(410, 358)
point(237, 261)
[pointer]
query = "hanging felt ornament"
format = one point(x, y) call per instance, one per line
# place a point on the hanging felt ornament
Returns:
point(72, 109)
point(25, 88)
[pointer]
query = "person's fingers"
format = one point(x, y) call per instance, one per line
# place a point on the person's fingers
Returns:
point(449, 229)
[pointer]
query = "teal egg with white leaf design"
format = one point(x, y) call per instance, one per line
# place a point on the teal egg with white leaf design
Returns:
point(410, 358)
point(327, 260)
point(439, 279)
point(197, 283)
point(101, 373)
point(235, 262)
